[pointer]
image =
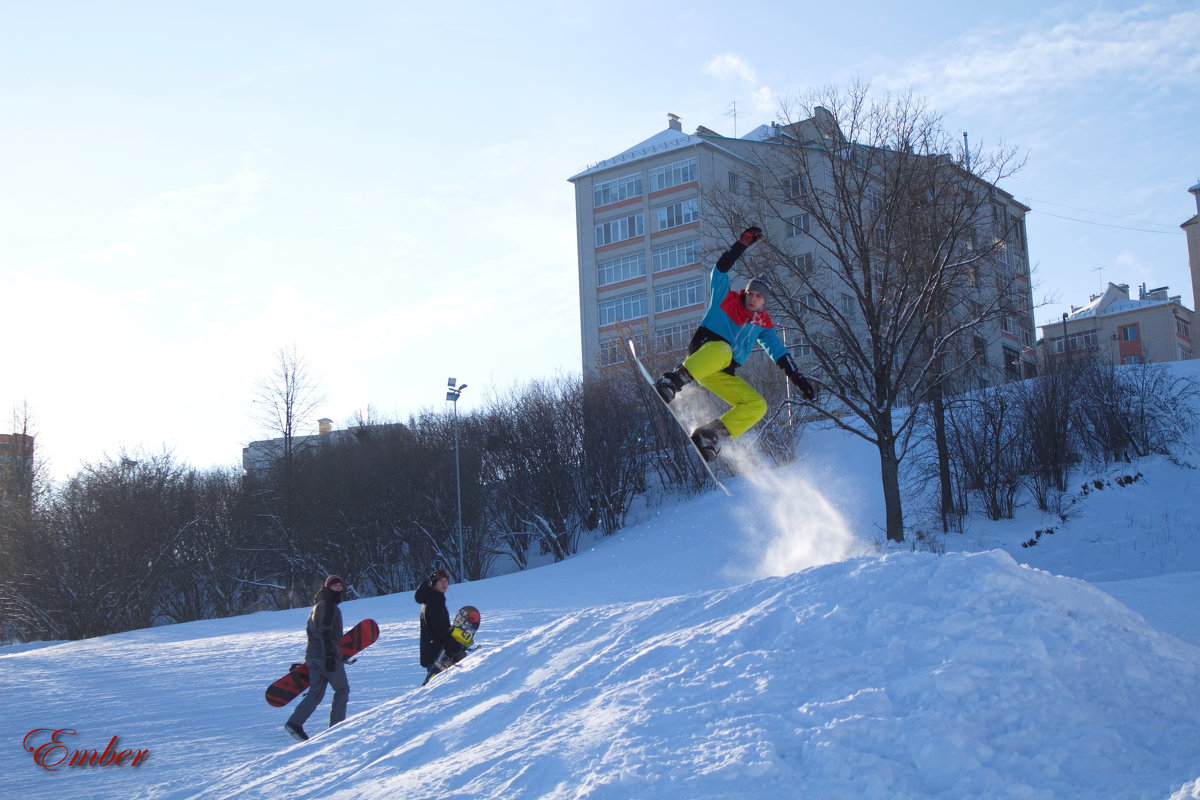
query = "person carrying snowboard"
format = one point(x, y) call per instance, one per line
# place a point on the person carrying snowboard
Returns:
point(435, 621)
point(324, 658)
point(732, 325)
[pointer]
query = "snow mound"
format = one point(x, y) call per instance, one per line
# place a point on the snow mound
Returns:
point(902, 676)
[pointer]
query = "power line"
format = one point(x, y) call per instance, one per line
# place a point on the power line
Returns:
point(1170, 228)
point(1107, 224)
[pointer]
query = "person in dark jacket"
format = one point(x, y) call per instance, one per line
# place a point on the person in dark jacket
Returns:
point(324, 658)
point(734, 324)
point(435, 620)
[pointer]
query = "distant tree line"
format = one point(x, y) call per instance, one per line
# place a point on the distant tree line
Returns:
point(144, 539)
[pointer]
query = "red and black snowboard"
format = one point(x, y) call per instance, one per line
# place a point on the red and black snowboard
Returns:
point(466, 622)
point(287, 688)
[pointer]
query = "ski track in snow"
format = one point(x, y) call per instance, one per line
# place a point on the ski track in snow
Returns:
point(719, 648)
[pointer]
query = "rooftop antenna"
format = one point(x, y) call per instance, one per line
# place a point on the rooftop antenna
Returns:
point(966, 152)
point(731, 111)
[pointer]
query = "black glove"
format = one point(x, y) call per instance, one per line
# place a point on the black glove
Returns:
point(805, 386)
point(788, 365)
point(750, 236)
point(330, 666)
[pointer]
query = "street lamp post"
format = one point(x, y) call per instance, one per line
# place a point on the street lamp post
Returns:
point(452, 394)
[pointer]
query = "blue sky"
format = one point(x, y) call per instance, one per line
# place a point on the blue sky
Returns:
point(187, 188)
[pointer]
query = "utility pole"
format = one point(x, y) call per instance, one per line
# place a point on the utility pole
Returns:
point(452, 394)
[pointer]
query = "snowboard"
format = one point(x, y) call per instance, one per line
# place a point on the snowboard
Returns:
point(287, 688)
point(671, 410)
point(463, 628)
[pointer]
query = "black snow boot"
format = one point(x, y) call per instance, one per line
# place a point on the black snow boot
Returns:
point(295, 730)
point(707, 438)
point(672, 382)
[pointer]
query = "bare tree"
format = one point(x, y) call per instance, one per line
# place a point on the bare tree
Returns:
point(286, 399)
point(891, 244)
point(989, 446)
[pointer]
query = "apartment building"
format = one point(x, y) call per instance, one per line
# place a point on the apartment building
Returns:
point(16, 463)
point(642, 247)
point(647, 239)
point(1118, 329)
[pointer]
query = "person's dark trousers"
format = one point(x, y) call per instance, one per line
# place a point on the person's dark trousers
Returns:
point(316, 692)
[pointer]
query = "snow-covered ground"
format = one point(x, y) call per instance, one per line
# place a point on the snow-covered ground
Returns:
point(720, 648)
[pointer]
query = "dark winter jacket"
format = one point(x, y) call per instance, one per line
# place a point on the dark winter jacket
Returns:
point(325, 627)
point(435, 625)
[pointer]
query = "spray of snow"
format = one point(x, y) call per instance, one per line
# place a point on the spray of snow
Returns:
point(791, 524)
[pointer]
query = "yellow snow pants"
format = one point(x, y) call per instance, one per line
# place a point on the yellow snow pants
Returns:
point(706, 365)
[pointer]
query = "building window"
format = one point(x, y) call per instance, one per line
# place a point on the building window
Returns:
point(622, 309)
point(679, 254)
point(980, 351)
point(803, 261)
point(1012, 364)
point(615, 351)
point(1183, 328)
point(673, 175)
point(1129, 333)
point(734, 183)
point(678, 295)
point(615, 270)
point(673, 337)
point(1135, 359)
point(797, 225)
point(618, 230)
point(1076, 342)
point(795, 186)
point(1002, 252)
point(611, 352)
point(615, 191)
point(682, 213)
point(998, 216)
point(1008, 325)
point(847, 305)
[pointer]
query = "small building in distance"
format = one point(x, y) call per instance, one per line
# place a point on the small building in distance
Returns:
point(1118, 329)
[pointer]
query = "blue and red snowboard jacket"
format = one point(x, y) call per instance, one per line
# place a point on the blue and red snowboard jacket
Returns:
point(727, 318)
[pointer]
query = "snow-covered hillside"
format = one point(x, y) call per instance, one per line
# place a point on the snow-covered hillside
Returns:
point(765, 644)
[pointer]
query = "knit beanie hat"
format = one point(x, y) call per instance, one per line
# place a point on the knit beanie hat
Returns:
point(332, 579)
point(761, 284)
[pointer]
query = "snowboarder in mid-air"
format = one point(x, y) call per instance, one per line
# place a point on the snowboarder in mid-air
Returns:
point(733, 324)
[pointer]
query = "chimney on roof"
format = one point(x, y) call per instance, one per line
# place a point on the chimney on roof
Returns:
point(673, 122)
point(1195, 190)
point(324, 425)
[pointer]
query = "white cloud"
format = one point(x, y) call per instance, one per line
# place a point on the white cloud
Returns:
point(210, 203)
point(765, 100)
point(108, 254)
point(1145, 45)
point(730, 66)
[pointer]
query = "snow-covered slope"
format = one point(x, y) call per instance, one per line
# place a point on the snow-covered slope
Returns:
point(717, 649)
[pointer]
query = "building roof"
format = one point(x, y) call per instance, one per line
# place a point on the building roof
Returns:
point(661, 142)
point(1114, 300)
